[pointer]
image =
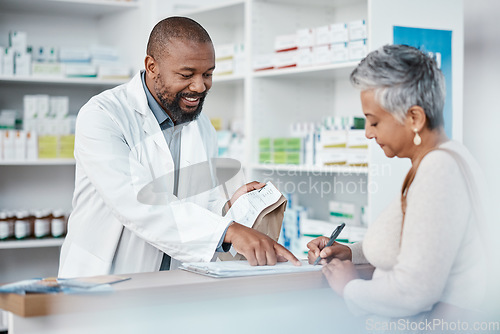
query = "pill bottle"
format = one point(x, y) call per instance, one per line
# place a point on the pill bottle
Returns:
point(58, 224)
point(42, 223)
point(4, 226)
point(22, 228)
point(11, 216)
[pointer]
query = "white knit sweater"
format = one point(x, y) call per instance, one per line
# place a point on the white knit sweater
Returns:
point(440, 257)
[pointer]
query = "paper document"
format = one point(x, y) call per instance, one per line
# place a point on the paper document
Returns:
point(243, 268)
point(64, 285)
point(248, 207)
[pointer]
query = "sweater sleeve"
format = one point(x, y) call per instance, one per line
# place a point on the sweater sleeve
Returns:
point(438, 210)
point(357, 253)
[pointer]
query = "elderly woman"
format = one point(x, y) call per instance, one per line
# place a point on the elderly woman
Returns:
point(426, 246)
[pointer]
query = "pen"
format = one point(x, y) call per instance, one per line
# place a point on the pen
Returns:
point(334, 236)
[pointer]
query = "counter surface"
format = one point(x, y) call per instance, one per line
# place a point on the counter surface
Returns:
point(185, 301)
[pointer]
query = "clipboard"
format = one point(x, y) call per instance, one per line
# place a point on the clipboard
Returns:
point(225, 269)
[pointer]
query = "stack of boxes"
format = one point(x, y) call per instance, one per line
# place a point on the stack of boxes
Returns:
point(335, 141)
point(48, 117)
point(20, 59)
point(16, 58)
point(333, 43)
point(48, 131)
point(287, 151)
point(229, 59)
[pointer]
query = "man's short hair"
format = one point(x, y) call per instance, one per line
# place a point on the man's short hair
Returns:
point(175, 27)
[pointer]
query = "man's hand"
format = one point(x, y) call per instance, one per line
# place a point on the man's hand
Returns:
point(256, 247)
point(317, 248)
point(241, 191)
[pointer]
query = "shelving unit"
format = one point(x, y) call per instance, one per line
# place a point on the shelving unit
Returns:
point(90, 8)
point(318, 170)
point(31, 243)
point(273, 99)
point(267, 101)
point(40, 162)
point(61, 81)
point(49, 183)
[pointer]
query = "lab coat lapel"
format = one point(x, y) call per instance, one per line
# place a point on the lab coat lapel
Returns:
point(138, 101)
point(153, 142)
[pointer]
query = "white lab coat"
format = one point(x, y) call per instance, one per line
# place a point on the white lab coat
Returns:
point(119, 150)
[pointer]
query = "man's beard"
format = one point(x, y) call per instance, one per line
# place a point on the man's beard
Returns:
point(175, 111)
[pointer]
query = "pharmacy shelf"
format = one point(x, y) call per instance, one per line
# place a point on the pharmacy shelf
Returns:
point(329, 3)
point(89, 8)
point(228, 78)
point(65, 81)
point(40, 162)
point(312, 169)
point(330, 71)
point(31, 243)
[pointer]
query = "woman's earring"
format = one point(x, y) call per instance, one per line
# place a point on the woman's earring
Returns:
point(417, 140)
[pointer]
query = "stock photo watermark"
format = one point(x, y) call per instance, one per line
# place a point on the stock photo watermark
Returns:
point(307, 182)
point(432, 325)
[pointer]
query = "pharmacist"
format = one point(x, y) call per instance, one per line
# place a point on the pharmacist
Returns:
point(148, 129)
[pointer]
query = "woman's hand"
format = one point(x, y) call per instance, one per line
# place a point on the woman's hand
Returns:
point(317, 248)
point(338, 273)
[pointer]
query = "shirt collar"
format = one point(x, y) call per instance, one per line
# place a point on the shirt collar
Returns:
point(161, 116)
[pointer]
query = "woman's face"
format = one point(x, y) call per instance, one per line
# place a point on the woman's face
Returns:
point(394, 138)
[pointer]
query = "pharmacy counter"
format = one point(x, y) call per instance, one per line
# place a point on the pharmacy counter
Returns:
point(179, 301)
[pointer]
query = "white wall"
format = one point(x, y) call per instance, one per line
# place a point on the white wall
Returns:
point(482, 111)
point(482, 87)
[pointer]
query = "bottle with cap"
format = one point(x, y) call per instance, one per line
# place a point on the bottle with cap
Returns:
point(11, 216)
point(4, 226)
point(42, 223)
point(58, 224)
point(22, 228)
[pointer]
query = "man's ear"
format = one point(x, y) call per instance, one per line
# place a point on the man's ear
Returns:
point(150, 66)
point(417, 118)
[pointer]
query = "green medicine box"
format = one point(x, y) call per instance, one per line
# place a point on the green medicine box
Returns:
point(279, 144)
point(264, 144)
point(293, 144)
point(265, 158)
point(293, 158)
point(279, 157)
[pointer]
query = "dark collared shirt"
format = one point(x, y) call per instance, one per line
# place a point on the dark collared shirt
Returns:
point(172, 134)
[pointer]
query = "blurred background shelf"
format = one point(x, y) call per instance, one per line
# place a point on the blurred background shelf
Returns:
point(31, 243)
point(89, 8)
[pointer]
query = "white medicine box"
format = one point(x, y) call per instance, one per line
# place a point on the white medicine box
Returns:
point(305, 57)
point(339, 33)
point(357, 49)
point(323, 55)
point(323, 35)
point(340, 52)
point(357, 30)
point(356, 138)
point(224, 51)
point(342, 212)
point(306, 38)
point(18, 41)
point(285, 59)
point(263, 62)
point(285, 42)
